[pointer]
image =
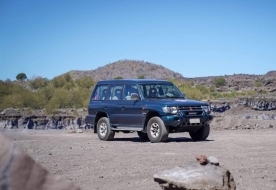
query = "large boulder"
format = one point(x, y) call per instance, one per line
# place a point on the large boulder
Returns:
point(197, 176)
point(19, 171)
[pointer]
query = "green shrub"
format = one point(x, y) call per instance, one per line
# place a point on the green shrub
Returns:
point(38, 82)
point(258, 84)
point(85, 82)
point(118, 77)
point(202, 89)
point(212, 88)
point(220, 82)
point(58, 82)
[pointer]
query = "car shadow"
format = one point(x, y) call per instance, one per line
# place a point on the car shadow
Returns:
point(133, 139)
point(170, 139)
point(184, 139)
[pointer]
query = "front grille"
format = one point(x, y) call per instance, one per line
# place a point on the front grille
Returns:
point(190, 108)
point(191, 111)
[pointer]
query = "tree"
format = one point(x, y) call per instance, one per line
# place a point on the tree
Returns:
point(21, 76)
point(220, 82)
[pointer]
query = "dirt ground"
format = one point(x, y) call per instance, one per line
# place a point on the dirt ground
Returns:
point(127, 163)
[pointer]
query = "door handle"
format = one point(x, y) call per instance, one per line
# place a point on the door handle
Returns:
point(105, 107)
point(123, 107)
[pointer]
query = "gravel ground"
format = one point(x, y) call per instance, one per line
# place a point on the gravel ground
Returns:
point(127, 163)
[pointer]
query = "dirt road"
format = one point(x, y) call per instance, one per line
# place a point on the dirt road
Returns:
point(127, 163)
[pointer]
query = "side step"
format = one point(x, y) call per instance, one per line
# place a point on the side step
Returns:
point(126, 129)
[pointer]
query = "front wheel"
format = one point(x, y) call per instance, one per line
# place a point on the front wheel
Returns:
point(103, 130)
point(201, 134)
point(156, 130)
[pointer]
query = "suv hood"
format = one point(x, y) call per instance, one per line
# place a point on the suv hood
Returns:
point(177, 102)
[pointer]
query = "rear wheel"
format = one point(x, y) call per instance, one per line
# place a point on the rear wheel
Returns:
point(103, 130)
point(201, 134)
point(143, 136)
point(156, 130)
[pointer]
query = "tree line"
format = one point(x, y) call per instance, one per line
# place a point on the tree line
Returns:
point(39, 93)
point(64, 92)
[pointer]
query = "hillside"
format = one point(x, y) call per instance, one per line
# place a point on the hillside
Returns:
point(133, 69)
point(127, 69)
point(241, 82)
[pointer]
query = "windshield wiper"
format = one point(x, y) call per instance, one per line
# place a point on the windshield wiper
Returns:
point(172, 96)
point(155, 97)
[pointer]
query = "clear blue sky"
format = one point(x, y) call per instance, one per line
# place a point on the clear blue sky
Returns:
point(195, 38)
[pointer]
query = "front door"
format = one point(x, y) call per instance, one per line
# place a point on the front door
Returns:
point(131, 112)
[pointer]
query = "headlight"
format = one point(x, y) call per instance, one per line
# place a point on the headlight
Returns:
point(206, 109)
point(172, 110)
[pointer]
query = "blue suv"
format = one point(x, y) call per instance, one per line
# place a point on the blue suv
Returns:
point(152, 108)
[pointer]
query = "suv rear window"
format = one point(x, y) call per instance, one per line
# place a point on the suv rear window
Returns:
point(99, 93)
point(115, 92)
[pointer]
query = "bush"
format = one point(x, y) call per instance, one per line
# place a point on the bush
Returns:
point(38, 82)
point(86, 82)
point(212, 88)
point(219, 82)
point(258, 84)
point(202, 89)
point(118, 77)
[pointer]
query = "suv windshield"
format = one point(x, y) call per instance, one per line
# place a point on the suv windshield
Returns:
point(160, 91)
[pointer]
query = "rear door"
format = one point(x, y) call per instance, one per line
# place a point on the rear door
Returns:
point(113, 104)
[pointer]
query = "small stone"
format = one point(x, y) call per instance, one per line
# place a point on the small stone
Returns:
point(50, 153)
point(71, 131)
point(202, 159)
point(213, 160)
point(79, 131)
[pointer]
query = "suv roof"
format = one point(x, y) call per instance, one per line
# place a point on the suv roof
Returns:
point(123, 81)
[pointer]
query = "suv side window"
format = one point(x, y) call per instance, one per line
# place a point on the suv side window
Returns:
point(129, 89)
point(115, 92)
point(99, 93)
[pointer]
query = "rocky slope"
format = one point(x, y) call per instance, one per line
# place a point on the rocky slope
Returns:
point(128, 69)
point(241, 82)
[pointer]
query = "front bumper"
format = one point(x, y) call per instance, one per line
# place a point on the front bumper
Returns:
point(181, 121)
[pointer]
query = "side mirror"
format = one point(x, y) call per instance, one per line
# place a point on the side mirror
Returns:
point(134, 96)
point(184, 94)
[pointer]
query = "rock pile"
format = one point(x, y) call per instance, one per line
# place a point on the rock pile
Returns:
point(263, 104)
point(205, 175)
point(220, 107)
point(43, 122)
point(38, 119)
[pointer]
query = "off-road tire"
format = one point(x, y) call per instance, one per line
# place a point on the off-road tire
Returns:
point(143, 136)
point(201, 134)
point(156, 130)
point(103, 129)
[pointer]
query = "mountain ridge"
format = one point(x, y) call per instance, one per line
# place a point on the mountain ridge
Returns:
point(131, 69)
point(127, 69)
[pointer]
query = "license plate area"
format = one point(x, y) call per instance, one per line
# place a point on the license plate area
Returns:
point(194, 120)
